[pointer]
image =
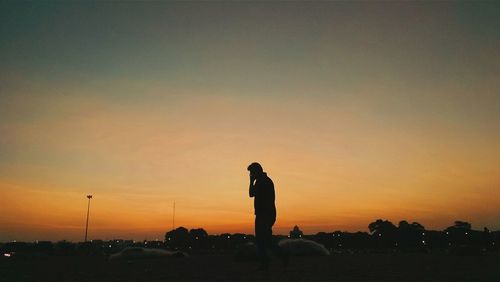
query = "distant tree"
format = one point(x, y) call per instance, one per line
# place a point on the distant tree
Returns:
point(459, 233)
point(463, 225)
point(384, 232)
point(410, 235)
point(198, 239)
point(459, 225)
point(177, 233)
point(417, 226)
point(177, 238)
point(403, 224)
point(382, 227)
point(199, 233)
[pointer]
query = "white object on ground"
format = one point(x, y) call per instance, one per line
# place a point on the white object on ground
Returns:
point(303, 247)
point(138, 253)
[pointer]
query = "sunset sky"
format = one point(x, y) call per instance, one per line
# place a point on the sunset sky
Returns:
point(357, 111)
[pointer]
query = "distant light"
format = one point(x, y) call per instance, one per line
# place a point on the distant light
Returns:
point(300, 236)
point(423, 233)
point(228, 236)
point(379, 234)
point(244, 237)
point(338, 235)
point(396, 244)
point(493, 243)
point(145, 242)
point(90, 241)
point(14, 241)
point(288, 236)
point(449, 244)
point(117, 241)
point(110, 246)
point(340, 245)
point(169, 238)
point(7, 255)
point(423, 242)
point(447, 232)
point(196, 237)
point(466, 233)
point(36, 241)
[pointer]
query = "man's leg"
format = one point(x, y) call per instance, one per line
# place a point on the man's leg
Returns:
point(272, 242)
point(261, 241)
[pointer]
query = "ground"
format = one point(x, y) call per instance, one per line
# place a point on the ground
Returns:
point(358, 267)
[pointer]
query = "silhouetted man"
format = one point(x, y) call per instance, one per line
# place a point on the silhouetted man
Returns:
point(262, 190)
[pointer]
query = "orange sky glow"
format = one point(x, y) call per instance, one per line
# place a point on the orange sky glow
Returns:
point(352, 121)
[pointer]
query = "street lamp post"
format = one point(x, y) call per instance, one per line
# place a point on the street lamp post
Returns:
point(87, 225)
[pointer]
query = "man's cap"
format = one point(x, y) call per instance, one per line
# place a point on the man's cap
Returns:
point(255, 167)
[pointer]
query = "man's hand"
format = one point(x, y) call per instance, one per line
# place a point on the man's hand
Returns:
point(251, 189)
point(252, 179)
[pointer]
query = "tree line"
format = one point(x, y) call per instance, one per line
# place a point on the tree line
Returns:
point(382, 236)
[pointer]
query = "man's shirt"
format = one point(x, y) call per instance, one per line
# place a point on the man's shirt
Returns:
point(263, 193)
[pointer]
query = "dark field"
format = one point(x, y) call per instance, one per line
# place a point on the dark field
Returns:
point(361, 267)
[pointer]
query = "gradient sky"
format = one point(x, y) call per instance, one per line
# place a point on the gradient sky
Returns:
point(357, 111)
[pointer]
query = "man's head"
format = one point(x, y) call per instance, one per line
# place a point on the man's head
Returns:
point(255, 170)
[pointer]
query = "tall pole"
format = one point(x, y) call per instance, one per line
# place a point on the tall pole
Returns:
point(88, 210)
point(173, 218)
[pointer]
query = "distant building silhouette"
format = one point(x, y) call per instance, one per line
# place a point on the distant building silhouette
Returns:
point(296, 233)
